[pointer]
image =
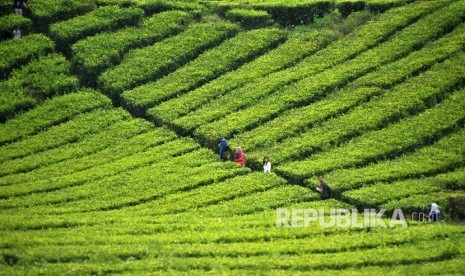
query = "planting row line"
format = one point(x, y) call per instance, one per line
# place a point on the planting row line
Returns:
point(129, 147)
point(106, 137)
point(211, 194)
point(421, 252)
point(309, 89)
point(382, 192)
point(101, 19)
point(16, 52)
point(39, 79)
point(358, 41)
point(287, 54)
point(285, 247)
point(102, 170)
point(410, 97)
point(92, 55)
point(139, 185)
point(51, 112)
point(210, 64)
point(71, 131)
point(300, 119)
point(145, 64)
point(406, 134)
point(444, 155)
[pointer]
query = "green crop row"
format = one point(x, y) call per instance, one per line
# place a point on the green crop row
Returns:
point(139, 190)
point(51, 112)
point(309, 89)
point(446, 154)
point(142, 65)
point(66, 188)
point(8, 23)
point(249, 18)
point(284, 12)
point(227, 56)
point(65, 133)
point(410, 97)
point(193, 7)
point(380, 193)
point(14, 53)
point(131, 147)
point(360, 40)
point(107, 136)
point(98, 20)
point(98, 171)
point(425, 251)
point(102, 262)
point(286, 247)
point(395, 139)
point(164, 176)
point(294, 49)
point(45, 12)
point(92, 55)
point(34, 82)
point(299, 119)
point(213, 194)
point(347, 6)
point(259, 201)
point(173, 229)
point(451, 204)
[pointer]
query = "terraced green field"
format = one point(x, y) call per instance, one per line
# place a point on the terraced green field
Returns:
point(111, 113)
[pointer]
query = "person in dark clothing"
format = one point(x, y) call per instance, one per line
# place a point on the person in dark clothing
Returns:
point(225, 150)
point(323, 189)
point(18, 6)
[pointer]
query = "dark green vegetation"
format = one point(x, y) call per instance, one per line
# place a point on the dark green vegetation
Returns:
point(111, 113)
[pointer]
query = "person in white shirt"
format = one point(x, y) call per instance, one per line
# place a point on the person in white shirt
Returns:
point(16, 33)
point(266, 165)
point(435, 214)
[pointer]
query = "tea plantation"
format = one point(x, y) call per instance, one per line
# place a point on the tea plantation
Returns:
point(112, 111)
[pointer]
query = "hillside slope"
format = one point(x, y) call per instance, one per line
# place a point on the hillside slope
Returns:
point(112, 111)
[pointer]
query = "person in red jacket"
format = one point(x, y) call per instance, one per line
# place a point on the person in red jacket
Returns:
point(240, 157)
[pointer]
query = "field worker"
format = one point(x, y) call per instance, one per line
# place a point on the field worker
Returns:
point(435, 214)
point(240, 157)
point(18, 6)
point(323, 189)
point(16, 33)
point(225, 150)
point(266, 165)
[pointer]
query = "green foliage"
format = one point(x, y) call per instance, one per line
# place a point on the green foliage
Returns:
point(51, 112)
point(45, 12)
point(446, 154)
point(40, 79)
point(70, 131)
point(249, 18)
point(92, 55)
point(14, 53)
point(8, 23)
point(297, 120)
point(376, 102)
point(301, 44)
point(142, 65)
point(356, 42)
point(134, 152)
point(208, 65)
point(393, 140)
point(98, 20)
